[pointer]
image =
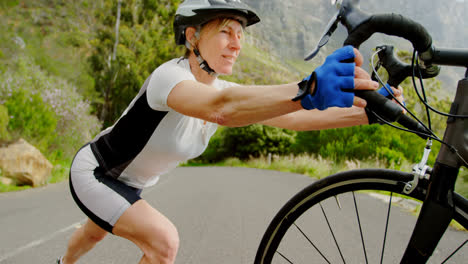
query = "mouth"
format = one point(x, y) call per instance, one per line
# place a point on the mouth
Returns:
point(230, 58)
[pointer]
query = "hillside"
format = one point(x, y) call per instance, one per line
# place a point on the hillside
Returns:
point(291, 30)
point(298, 25)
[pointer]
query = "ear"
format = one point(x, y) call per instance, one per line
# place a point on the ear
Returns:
point(190, 35)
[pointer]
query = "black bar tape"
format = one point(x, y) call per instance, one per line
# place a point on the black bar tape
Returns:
point(391, 24)
point(390, 111)
point(381, 105)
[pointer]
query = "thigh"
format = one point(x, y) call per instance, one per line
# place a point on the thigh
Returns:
point(147, 228)
point(103, 199)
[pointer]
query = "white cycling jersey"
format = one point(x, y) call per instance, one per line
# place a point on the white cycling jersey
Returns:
point(150, 138)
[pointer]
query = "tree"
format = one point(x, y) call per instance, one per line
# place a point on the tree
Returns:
point(136, 36)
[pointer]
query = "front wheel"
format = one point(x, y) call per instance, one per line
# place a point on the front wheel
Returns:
point(359, 216)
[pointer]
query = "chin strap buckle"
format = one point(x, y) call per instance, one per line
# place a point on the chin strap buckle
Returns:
point(204, 65)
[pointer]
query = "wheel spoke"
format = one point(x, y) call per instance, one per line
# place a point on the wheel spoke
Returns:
point(331, 231)
point(320, 252)
point(331, 197)
point(386, 228)
point(455, 251)
point(279, 253)
point(360, 227)
point(338, 202)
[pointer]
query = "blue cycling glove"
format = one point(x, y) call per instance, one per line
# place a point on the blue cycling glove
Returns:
point(334, 82)
point(385, 92)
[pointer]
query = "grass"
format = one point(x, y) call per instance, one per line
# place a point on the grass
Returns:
point(60, 171)
point(12, 188)
point(310, 165)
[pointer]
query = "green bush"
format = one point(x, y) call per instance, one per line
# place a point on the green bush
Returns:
point(4, 118)
point(361, 143)
point(31, 118)
point(45, 110)
point(8, 3)
point(250, 141)
point(215, 151)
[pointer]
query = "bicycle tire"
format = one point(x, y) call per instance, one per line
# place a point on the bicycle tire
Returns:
point(345, 183)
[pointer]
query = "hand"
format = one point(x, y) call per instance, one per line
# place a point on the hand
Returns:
point(335, 81)
point(397, 93)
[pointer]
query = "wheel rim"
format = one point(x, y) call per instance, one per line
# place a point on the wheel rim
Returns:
point(291, 223)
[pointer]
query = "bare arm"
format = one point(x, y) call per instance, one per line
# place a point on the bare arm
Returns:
point(315, 120)
point(244, 105)
point(235, 106)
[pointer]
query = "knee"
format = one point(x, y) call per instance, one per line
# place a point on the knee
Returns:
point(169, 247)
point(165, 249)
point(169, 252)
point(94, 237)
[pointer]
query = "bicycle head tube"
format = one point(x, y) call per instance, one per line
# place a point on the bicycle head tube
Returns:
point(456, 134)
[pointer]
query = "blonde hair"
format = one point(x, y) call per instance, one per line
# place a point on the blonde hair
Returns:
point(222, 23)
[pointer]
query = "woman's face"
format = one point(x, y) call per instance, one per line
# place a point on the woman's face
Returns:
point(220, 45)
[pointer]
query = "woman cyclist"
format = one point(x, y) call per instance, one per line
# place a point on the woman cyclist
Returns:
point(177, 111)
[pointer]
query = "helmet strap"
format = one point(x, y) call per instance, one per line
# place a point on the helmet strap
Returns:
point(203, 64)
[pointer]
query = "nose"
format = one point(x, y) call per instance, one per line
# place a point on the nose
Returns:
point(235, 42)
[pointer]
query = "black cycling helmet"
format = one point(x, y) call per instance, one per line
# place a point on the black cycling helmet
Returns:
point(197, 12)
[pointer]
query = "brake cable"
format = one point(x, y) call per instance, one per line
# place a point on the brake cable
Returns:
point(422, 85)
point(432, 136)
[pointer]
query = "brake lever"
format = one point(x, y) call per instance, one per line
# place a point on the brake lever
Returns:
point(330, 28)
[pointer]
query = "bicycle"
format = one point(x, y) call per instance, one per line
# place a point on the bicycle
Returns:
point(347, 193)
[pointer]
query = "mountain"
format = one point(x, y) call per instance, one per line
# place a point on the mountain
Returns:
point(291, 29)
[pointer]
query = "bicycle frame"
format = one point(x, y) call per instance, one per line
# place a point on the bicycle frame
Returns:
point(455, 128)
point(437, 210)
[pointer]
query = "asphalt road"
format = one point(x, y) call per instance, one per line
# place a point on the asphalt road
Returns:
point(221, 214)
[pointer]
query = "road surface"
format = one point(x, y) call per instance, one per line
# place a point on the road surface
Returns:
point(221, 214)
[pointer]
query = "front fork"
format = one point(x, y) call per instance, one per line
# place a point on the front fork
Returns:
point(435, 216)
